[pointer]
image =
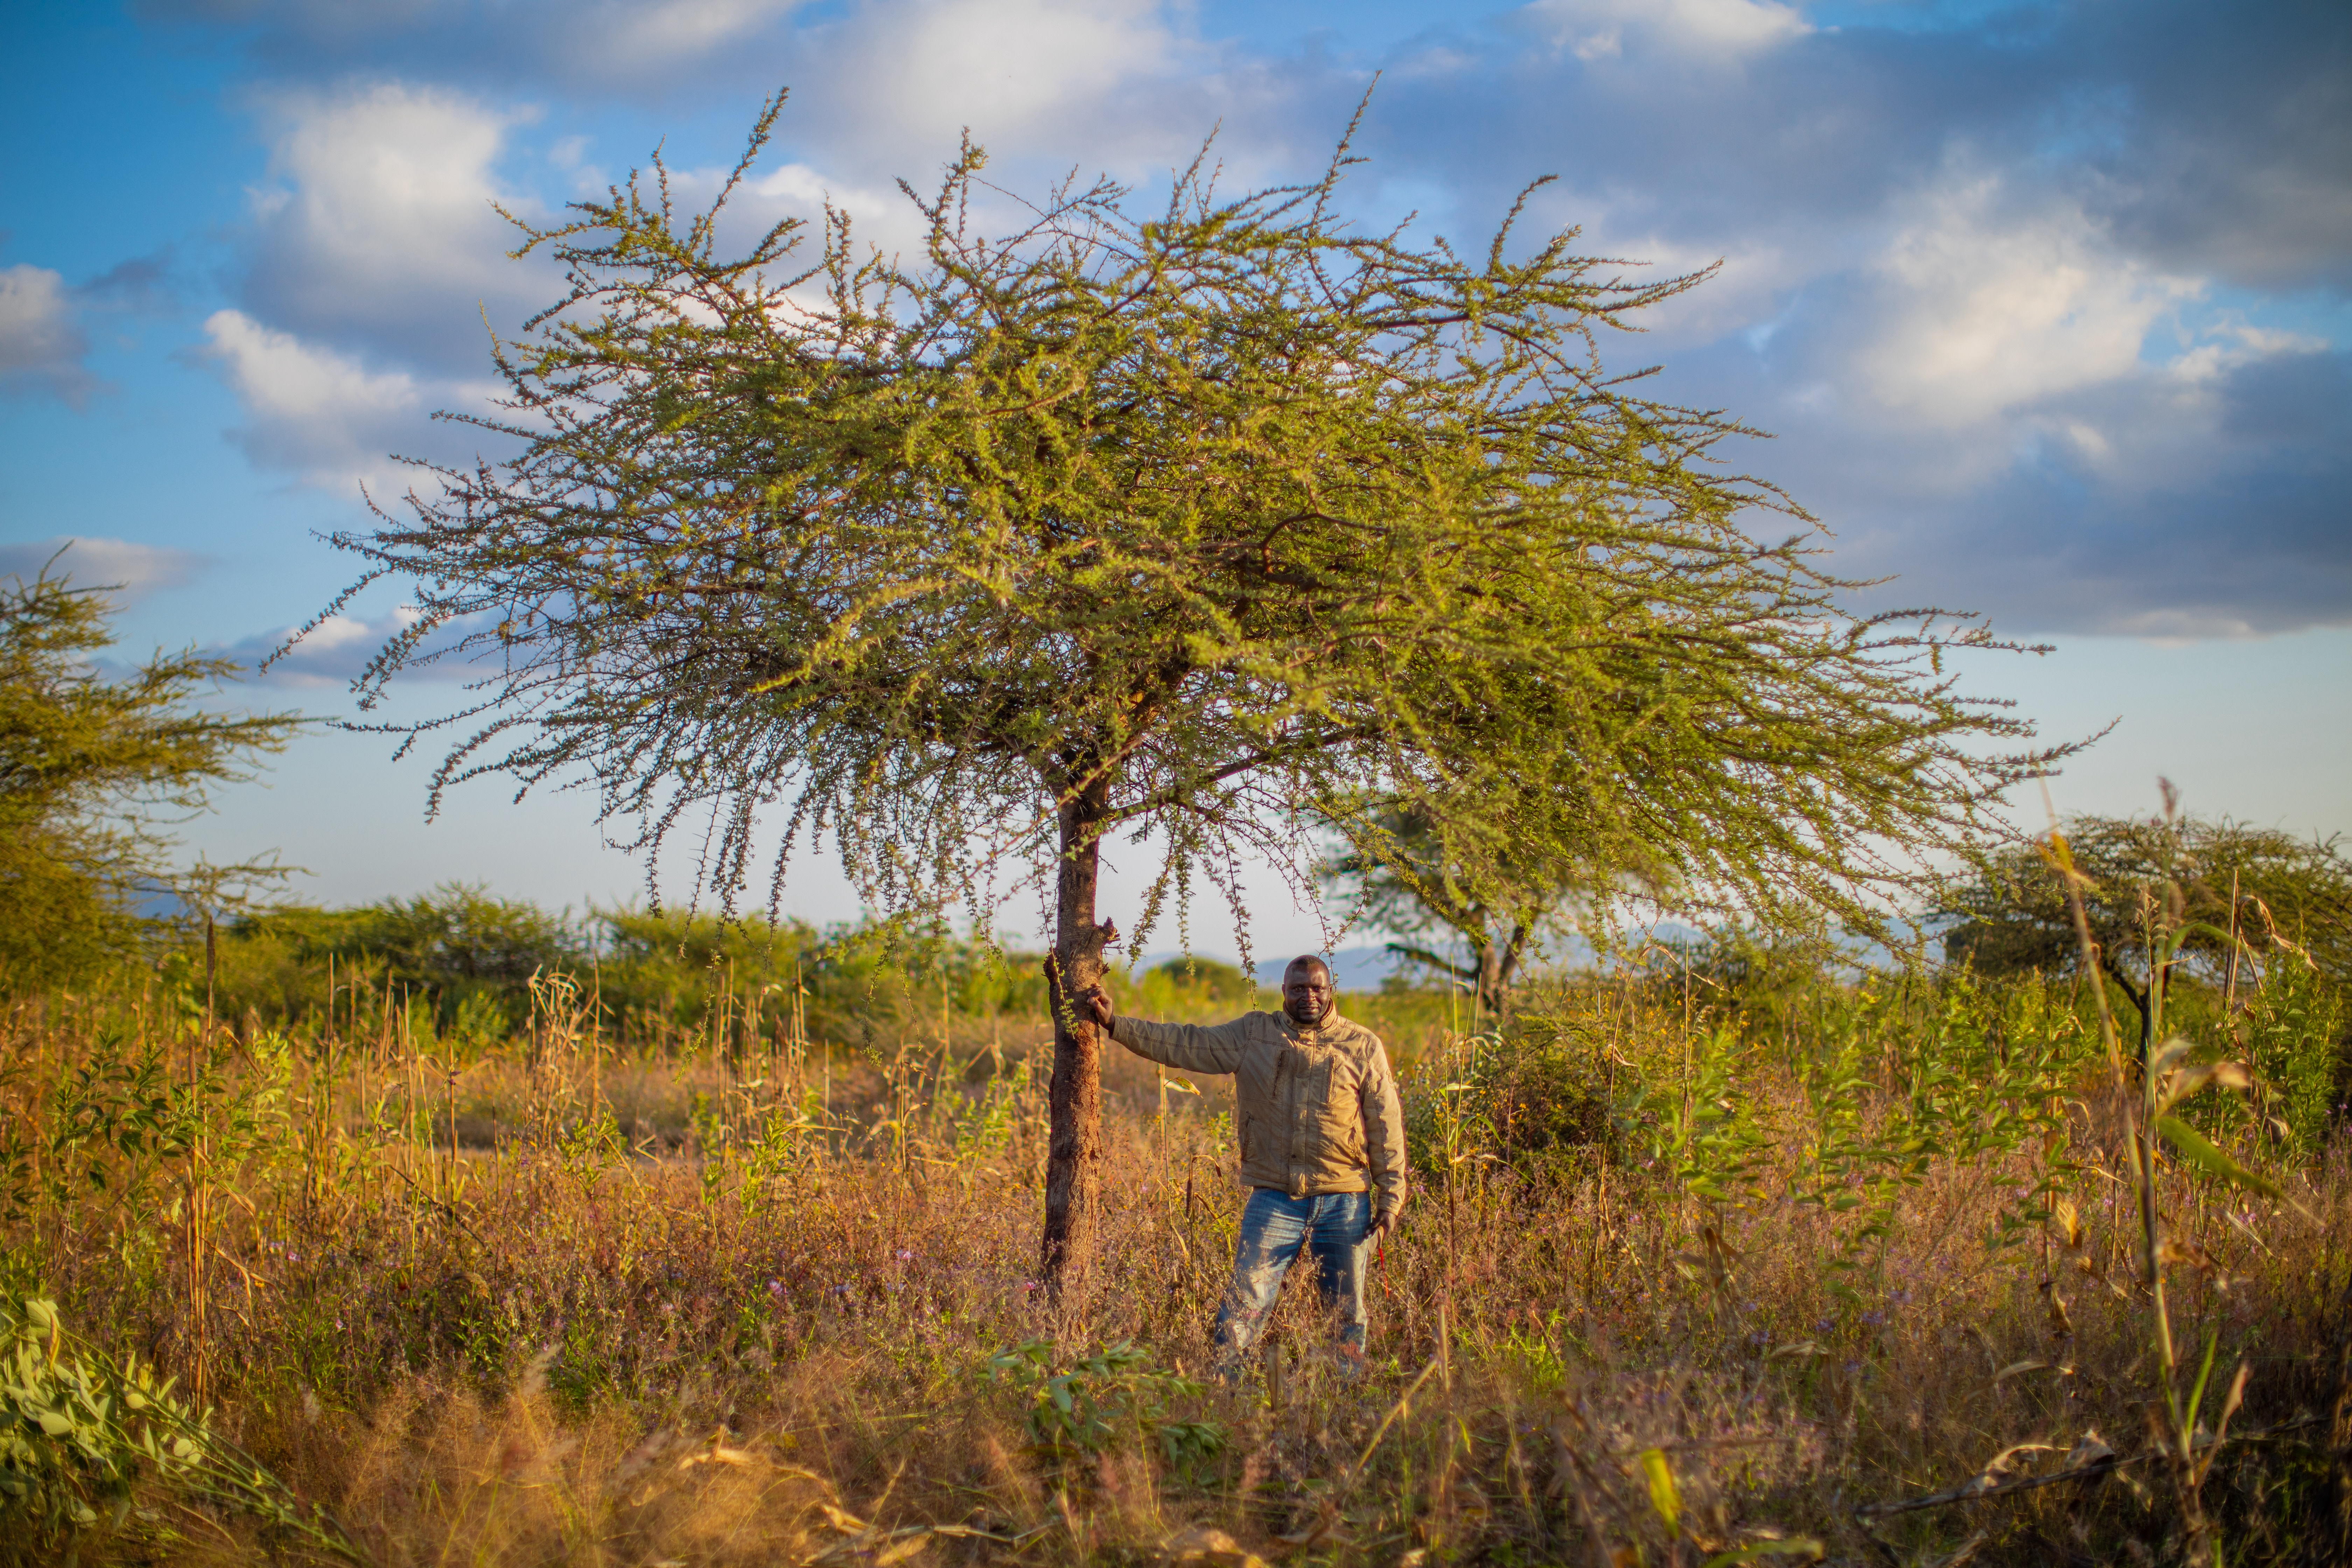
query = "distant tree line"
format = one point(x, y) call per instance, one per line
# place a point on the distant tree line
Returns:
point(463, 963)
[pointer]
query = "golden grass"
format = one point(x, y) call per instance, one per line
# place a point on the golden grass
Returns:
point(764, 1334)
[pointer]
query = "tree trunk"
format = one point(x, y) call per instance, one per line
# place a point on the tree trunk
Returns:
point(1497, 966)
point(1074, 1142)
point(1492, 988)
point(2142, 1002)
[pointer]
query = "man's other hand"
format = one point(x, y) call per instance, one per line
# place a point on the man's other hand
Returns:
point(1098, 1010)
point(1383, 1228)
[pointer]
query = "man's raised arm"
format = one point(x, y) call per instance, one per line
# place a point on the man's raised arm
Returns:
point(1187, 1047)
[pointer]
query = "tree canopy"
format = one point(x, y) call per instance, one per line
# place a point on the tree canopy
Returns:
point(1210, 523)
point(1408, 890)
point(91, 770)
point(2143, 879)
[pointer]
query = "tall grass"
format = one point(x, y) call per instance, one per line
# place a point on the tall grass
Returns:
point(1704, 1264)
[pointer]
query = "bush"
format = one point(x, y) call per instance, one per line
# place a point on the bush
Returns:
point(1113, 1393)
point(79, 1433)
point(1192, 988)
point(2294, 1042)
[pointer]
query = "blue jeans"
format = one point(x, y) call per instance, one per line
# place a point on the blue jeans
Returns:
point(1274, 1225)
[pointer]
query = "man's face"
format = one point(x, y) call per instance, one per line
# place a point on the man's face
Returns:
point(1306, 991)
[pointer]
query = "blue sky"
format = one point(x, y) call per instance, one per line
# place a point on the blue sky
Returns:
point(2046, 305)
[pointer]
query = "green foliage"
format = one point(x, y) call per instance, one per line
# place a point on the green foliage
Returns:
point(658, 970)
point(90, 770)
point(1975, 1073)
point(463, 959)
point(1896, 1076)
point(2296, 1032)
point(1534, 1095)
point(1446, 1119)
point(1195, 988)
point(2145, 880)
point(80, 1436)
point(1702, 1123)
point(72, 1441)
point(466, 964)
point(1535, 1350)
point(1408, 887)
point(1113, 1393)
point(1178, 523)
point(837, 1283)
point(122, 1124)
point(985, 1124)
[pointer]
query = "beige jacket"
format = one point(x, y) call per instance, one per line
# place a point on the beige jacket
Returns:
point(1318, 1106)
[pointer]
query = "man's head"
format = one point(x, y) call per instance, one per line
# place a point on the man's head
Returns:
point(1307, 990)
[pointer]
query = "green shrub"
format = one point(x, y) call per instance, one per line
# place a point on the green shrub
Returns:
point(1193, 988)
point(1113, 1393)
point(80, 1434)
point(2294, 1042)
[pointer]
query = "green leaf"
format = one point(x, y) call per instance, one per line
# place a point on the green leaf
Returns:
point(2193, 1146)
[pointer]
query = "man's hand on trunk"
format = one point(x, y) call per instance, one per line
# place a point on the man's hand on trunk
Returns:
point(1096, 1008)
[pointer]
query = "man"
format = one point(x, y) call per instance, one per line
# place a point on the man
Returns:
point(1322, 1142)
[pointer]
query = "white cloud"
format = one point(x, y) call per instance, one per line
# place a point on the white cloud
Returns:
point(319, 413)
point(338, 650)
point(130, 570)
point(2231, 342)
point(627, 39)
point(40, 344)
point(895, 84)
point(381, 225)
point(1992, 309)
point(1702, 29)
point(331, 653)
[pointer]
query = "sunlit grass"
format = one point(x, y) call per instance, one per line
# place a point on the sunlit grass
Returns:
point(765, 1301)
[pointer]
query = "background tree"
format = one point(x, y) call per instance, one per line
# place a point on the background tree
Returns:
point(2148, 877)
point(91, 772)
point(1397, 879)
point(1201, 525)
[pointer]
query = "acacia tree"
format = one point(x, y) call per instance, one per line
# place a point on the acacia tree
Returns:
point(92, 770)
point(1396, 876)
point(1204, 524)
point(2142, 880)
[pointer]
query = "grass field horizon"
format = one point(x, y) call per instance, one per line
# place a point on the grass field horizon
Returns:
point(1709, 1261)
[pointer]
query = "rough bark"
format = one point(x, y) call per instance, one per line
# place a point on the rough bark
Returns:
point(1074, 1102)
point(1497, 966)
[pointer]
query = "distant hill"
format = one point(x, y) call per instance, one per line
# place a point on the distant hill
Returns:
point(1352, 968)
point(1363, 968)
point(1355, 968)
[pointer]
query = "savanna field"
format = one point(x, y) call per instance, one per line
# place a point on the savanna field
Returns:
point(1812, 1160)
point(449, 1233)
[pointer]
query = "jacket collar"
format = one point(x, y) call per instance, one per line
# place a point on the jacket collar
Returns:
point(1330, 1025)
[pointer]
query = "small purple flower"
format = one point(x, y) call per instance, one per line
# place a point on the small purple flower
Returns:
point(906, 1257)
point(776, 1288)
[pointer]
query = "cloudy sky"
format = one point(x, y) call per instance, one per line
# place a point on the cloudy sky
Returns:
point(2048, 305)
